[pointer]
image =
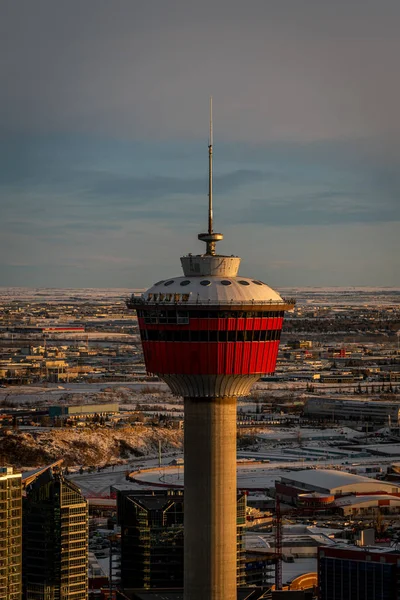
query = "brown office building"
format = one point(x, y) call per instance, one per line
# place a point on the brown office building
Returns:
point(10, 534)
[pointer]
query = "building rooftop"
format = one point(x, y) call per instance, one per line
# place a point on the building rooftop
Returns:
point(29, 476)
point(243, 593)
point(352, 499)
point(369, 549)
point(330, 479)
point(153, 499)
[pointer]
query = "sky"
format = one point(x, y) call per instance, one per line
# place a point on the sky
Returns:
point(104, 134)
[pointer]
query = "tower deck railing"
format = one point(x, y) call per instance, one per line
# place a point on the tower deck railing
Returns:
point(137, 301)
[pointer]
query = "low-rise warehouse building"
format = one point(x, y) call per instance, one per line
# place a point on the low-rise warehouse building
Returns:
point(329, 483)
point(361, 505)
point(83, 410)
point(354, 410)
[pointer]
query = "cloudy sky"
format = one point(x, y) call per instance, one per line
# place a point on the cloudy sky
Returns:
point(103, 139)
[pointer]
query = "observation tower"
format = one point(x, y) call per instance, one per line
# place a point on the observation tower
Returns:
point(210, 335)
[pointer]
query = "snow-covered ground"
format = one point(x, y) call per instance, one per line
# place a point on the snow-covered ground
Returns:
point(310, 433)
point(99, 483)
point(52, 392)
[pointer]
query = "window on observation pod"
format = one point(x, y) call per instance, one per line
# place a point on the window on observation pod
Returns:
point(226, 282)
point(242, 282)
point(185, 282)
point(205, 282)
point(169, 282)
point(258, 282)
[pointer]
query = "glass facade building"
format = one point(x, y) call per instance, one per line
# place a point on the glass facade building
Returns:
point(55, 540)
point(10, 534)
point(152, 538)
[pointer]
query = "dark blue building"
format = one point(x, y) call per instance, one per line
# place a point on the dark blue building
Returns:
point(358, 573)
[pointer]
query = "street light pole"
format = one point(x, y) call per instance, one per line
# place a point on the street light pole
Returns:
point(110, 580)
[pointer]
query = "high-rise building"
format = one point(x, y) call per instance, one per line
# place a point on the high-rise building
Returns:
point(152, 533)
point(55, 539)
point(354, 572)
point(10, 534)
point(210, 335)
point(151, 538)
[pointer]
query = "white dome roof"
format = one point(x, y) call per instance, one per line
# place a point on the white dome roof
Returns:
point(212, 290)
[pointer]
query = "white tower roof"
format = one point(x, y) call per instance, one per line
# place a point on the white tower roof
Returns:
point(212, 290)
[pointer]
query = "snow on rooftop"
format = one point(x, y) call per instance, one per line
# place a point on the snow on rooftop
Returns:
point(310, 433)
point(352, 499)
point(385, 449)
point(329, 478)
point(299, 567)
point(369, 549)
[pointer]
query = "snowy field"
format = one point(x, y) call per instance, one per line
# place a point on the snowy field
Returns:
point(40, 394)
point(304, 295)
point(70, 295)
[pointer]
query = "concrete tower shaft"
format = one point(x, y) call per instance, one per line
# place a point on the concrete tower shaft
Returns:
point(210, 563)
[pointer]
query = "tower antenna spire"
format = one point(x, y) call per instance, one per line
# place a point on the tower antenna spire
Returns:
point(210, 173)
point(210, 238)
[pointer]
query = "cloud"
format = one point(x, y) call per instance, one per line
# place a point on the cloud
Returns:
point(68, 189)
point(319, 208)
point(282, 70)
point(142, 190)
point(104, 120)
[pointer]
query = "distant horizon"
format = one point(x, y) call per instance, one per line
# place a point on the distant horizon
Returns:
point(295, 287)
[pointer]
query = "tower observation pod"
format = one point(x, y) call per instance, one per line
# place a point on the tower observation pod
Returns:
point(210, 335)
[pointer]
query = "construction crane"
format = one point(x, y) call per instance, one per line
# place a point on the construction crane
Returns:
point(278, 544)
point(279, 540)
